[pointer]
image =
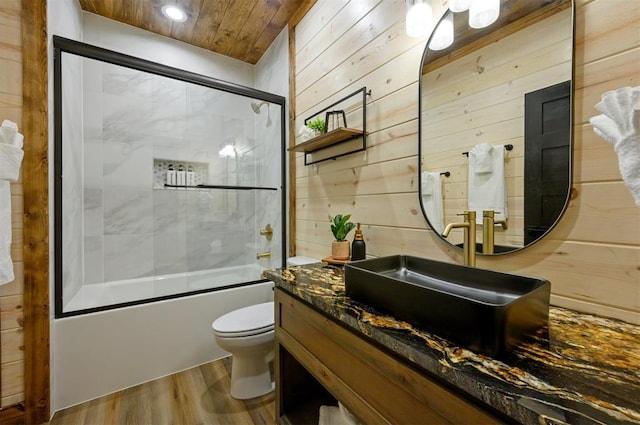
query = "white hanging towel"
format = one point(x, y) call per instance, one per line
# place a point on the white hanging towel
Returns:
point(10, 159)
point(432, 199)
point(332, 415)
point(487, 189)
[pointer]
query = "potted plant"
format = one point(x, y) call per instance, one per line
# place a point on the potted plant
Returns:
point(340, 227)
point(317, 125)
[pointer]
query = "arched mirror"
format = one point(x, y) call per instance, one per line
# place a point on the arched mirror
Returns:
point(496, 123)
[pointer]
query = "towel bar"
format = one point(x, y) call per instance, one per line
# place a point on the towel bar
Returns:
point(508, 147)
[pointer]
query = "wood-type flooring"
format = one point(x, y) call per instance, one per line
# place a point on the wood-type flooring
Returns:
point(196, 396)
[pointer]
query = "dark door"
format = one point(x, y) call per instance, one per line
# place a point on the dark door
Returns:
point(547, 123)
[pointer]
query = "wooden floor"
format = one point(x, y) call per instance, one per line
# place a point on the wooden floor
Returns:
point(195, 396)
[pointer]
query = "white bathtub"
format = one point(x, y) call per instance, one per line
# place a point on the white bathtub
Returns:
point(98, 353)
point(123, 291)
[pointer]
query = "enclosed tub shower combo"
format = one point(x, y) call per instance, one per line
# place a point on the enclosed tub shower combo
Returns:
point(167, 183)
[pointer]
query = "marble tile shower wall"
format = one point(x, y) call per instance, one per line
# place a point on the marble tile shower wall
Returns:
point(269, 210)
point(132, 230)
point(72, 149)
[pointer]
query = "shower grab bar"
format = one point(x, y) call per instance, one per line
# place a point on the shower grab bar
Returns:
point(217, 186)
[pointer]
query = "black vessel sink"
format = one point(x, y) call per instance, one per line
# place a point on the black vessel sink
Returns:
point(482, 310)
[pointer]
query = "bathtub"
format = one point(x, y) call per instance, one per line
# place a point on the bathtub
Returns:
point(129, 290)
point(95, 354)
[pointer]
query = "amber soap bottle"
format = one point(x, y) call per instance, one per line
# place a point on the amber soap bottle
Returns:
point(358, 247)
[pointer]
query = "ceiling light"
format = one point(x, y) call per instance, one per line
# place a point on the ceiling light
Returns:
point(443, 35)
point(418, 18)
point(483, 13)
point(174, 13)
point(459, 5)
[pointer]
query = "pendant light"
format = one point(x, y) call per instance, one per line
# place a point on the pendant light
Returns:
point(443, 35)
point(483, 13)
point(418, 23)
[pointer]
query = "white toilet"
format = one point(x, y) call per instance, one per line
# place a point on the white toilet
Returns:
point(247, 333)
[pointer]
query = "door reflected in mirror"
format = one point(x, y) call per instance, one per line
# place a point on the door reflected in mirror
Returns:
point(496, 114)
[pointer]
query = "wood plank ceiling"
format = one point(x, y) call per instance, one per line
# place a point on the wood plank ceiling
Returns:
point(241, 29)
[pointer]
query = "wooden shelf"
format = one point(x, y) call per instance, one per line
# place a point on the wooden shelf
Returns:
point(337, 136)
point(325, 140)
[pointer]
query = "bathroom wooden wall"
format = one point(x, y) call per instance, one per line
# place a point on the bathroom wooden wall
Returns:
point(11, 295)
point(591, 257)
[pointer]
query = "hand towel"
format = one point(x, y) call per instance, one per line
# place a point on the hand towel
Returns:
point(487, 191)
point(349, 418)
point(9, 134)
point(6, 265)
point(619, 124)
point(10, 159)
point(10, 151)
point(432, 199)
point(482, 158)
point(332, 415)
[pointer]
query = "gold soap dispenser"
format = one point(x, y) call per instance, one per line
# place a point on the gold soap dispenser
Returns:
point(358, 247)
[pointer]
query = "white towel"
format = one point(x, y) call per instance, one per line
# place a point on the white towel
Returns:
point(332, 415)
point(481, 155)
point(432, 199)
point(10, 159)
point(487, 191)
point(350, 419)
point(10, 151)
point(619, 125)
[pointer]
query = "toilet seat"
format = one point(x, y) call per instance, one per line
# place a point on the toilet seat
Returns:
point(246, 321)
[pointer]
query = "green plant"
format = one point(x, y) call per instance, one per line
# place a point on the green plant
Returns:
point(341, 226)
point(316, 125)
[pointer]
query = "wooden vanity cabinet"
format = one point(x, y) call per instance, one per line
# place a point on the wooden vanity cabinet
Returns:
point(317, 359)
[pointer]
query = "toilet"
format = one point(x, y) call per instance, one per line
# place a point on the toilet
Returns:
point(247, 333)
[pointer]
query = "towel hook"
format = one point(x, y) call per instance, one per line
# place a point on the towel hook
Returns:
point(445, 173)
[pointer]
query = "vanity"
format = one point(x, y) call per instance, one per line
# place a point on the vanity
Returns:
point(580, 369)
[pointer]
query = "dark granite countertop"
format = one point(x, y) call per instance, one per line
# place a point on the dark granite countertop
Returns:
point(582, 369)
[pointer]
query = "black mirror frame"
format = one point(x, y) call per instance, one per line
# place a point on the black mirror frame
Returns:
point(571, 137)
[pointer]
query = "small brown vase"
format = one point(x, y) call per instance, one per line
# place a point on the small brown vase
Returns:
point(340, 250)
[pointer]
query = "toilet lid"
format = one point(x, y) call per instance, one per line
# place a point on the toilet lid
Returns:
point(245, 321)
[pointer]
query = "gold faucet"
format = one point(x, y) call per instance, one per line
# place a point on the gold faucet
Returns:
point(469, 245)
point(263, 255)
point(488, 230)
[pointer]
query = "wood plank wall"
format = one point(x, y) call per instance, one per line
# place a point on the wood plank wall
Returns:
point(591, 257)
point(11, 294)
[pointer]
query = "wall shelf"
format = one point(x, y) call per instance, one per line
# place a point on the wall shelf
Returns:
point(338, 135)
point(327, 139)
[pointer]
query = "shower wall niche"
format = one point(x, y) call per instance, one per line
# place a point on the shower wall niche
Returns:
point(127, 230)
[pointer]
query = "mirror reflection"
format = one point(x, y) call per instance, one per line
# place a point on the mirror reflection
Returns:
point(495, 123)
